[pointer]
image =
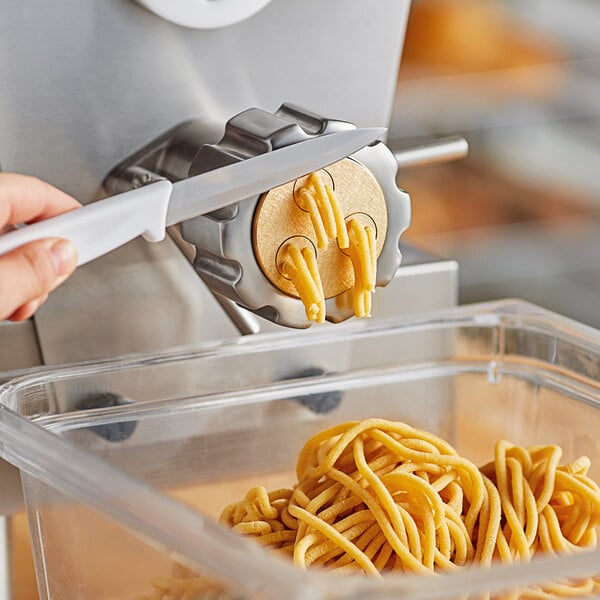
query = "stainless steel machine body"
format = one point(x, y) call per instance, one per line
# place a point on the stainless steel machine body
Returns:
point(84, 84)
point(87, 82)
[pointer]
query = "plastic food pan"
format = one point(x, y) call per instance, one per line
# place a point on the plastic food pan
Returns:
point(127, 464)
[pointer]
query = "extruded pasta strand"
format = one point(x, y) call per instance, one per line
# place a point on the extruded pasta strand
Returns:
point(324, 203)
point(340, 225)
point(324, 211)
point(301, 267)
point(363, 254)
point(310, 203)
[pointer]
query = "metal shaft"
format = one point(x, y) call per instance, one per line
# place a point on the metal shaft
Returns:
point(432, 152)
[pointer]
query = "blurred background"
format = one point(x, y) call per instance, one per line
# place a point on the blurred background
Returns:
point(521, 81)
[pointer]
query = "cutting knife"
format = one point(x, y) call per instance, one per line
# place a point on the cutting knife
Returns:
point(104, 225)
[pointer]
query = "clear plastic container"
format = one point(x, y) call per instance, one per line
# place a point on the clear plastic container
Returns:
point(119, 493)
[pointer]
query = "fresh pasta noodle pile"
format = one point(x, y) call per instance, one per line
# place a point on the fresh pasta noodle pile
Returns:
point(298, 261)
point(380, 496)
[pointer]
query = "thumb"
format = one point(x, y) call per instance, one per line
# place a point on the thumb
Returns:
point(32, 271)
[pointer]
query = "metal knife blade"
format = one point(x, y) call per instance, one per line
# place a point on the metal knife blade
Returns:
point(221, 187)
point(104, 225)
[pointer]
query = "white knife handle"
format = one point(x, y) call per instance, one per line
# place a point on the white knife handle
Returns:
point(104, 225)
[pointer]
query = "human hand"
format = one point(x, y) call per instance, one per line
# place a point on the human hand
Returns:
point(30, 272)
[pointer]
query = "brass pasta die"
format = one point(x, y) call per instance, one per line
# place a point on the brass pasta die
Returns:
point(238, 249)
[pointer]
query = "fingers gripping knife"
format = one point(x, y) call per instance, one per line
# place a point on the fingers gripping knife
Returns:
point(242, 251)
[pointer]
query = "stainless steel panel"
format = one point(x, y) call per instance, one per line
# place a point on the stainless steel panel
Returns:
point(423, 283)
point(18, 347)
point(138, 298)
point(86, 82)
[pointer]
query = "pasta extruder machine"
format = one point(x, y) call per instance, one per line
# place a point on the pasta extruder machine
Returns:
point(92, 82)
